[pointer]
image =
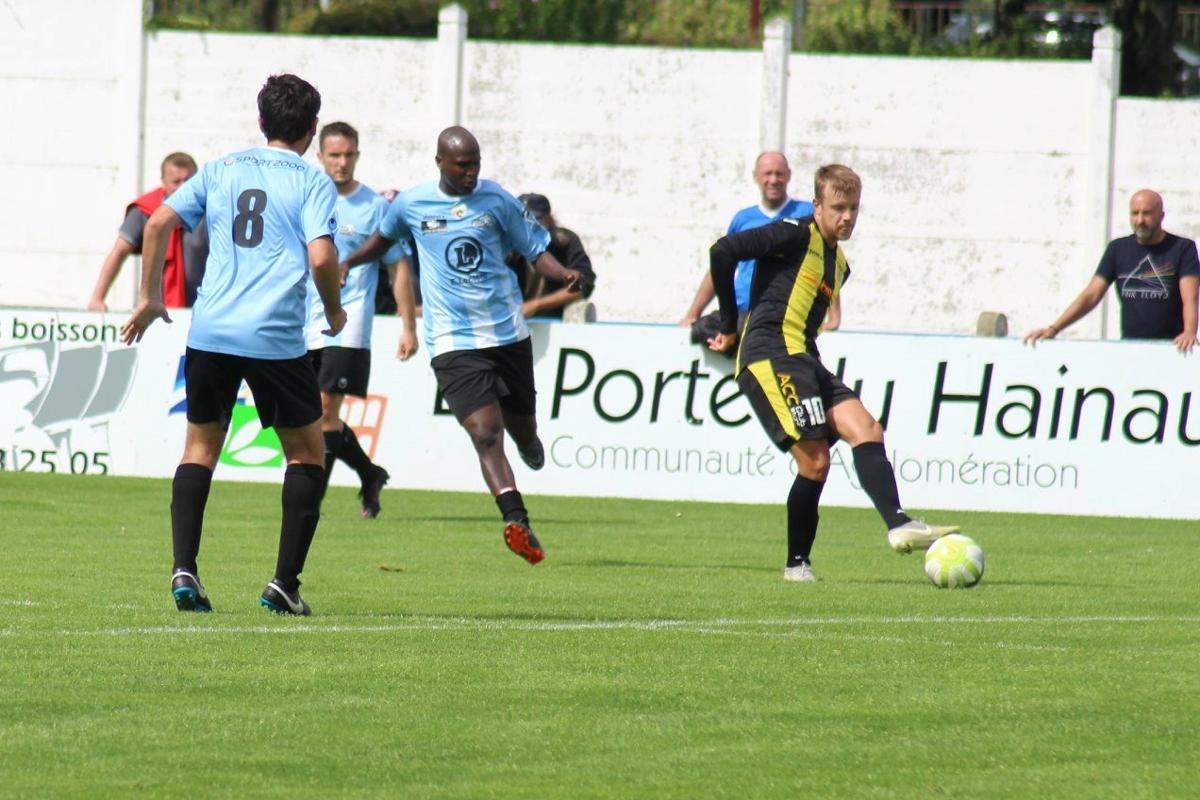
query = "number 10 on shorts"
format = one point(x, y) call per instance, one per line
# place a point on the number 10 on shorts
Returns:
point(809, 412)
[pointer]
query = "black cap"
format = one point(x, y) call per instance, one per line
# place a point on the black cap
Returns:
point(537, 203)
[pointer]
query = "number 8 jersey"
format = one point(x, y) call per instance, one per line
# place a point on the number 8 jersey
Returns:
point(470, 297)
point(264, 205)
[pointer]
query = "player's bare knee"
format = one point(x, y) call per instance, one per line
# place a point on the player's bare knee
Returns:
point(812, 462)
point(331, 407)
point(816, 469)
point(486, 437)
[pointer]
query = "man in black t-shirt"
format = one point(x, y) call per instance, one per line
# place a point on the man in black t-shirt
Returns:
point(1157, 275)
point(544, 297)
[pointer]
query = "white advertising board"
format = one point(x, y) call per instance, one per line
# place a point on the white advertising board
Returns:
point(1100, 428)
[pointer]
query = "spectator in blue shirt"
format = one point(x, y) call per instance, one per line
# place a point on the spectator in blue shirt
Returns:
point(771, 174)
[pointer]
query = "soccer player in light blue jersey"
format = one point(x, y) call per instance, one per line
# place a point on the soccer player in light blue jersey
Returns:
point(271, 223)
point(463, 229)
point(343, 362)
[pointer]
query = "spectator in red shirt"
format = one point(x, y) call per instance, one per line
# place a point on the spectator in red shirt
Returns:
point(186, 252)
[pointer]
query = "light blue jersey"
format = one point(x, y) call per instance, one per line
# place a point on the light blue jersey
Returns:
point(756, 217)
point(264, 205)
point(470, 297)
point(358, 216)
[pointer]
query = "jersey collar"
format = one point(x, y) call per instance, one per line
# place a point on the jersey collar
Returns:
point(777, 213)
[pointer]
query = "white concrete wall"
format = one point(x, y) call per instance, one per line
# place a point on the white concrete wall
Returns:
point(69, 97)
point(201, 91)
point(976, 171)
point(974, 175)
point(1158, 147)
point(644, 152)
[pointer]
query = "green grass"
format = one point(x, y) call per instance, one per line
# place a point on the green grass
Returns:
point(655, 653)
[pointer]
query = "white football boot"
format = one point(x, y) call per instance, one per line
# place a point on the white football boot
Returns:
point(917, 534)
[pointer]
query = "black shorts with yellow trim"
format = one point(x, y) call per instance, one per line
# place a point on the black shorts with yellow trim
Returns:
point(791, 396)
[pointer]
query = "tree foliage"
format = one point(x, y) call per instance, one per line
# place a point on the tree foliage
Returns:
point(1149, 65)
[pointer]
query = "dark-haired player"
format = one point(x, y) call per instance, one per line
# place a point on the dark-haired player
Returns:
point(271, 220)
point(482, 357)
point(802, 405)
point(343, 362)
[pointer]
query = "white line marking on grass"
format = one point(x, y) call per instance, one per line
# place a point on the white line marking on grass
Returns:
point(19, 603)
point(721, 625)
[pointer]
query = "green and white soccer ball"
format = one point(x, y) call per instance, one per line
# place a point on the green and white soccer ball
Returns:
point(954, 562)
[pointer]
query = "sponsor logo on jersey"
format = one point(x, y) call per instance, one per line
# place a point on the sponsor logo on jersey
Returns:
point(347, 230)
point(482, 221)
point(430, 225)
point(464, 254)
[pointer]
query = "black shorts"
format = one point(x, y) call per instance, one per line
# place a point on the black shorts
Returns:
point(342, 370)
point(285, 391)
point(470, 379)
point(790, 396)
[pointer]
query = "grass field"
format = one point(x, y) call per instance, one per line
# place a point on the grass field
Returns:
point(655, 653)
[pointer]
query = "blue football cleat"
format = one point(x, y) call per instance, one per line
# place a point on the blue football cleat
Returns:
point(277, 599)
point(188, 592)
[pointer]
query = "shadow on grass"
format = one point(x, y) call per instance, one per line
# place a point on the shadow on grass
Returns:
point(538, 521)
point(607, 563)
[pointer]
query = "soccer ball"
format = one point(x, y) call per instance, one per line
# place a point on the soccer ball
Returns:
point(954, 562)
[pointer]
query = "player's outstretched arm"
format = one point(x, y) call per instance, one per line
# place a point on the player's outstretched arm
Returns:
point(323, 263)
point(723, 258)
point(372, 249)
point(1189, 285)
point(154, 245)
point(722, 263)
point(109, 271)
point(1088, 299)
point(576, 282)
point(406, 306)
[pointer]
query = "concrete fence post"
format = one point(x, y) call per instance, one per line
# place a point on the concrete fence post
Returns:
point(777, 48)
point(135, 90)
point(451, 39)
point(1101, 132)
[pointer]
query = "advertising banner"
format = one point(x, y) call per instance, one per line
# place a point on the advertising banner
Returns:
point(1094, 428)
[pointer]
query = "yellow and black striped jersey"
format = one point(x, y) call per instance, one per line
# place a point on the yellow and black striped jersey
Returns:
point(796, 277)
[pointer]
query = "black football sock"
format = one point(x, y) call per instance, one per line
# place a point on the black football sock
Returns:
point(512, 506)
point(301, 504)
point(802, 518)
point(189, 494)
point(350, 451)
point(333, 441)
point(879, 481)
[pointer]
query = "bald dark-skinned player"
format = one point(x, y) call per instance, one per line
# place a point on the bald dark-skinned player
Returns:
point(802, 405)
point(474, 329)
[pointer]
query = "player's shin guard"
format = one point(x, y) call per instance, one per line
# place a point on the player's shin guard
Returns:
point(302, 485)
point(189, 494)
point(879, 481)
point(350, 451)
point(802, 518)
